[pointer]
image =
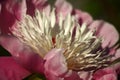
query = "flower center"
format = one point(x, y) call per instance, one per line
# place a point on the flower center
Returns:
point(43, 33)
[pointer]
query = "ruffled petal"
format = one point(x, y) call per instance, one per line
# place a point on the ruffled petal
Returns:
point(37, 4)
point(22, 53)
point(82, 17)
point(11, 10)
point(55, 64)
point(10, 70)
point(62, 6)
point(106, 31)
point(105, 74)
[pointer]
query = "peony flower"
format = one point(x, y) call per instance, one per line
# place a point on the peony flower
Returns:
point(61, 43)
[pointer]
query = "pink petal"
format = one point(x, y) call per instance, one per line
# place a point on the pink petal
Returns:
point(73, 76)
point(0, 8)
point(105, 74)
point(37, 4)
point(17, 8)
point(117, 65)
point(55, 63)
point(85, 75)
point(108, 77)
point(22, 53)
point(106, 31)
point(62, 6)
point(117, 54)
point(11, 10)
point(10, 70)
point(82, 17)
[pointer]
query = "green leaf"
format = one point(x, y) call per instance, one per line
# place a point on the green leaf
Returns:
point(4, 52)
point(35, 76)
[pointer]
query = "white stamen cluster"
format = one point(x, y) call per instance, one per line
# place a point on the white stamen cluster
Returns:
point(43, 33)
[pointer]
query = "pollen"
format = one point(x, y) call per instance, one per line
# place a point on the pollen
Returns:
point(42, 33)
